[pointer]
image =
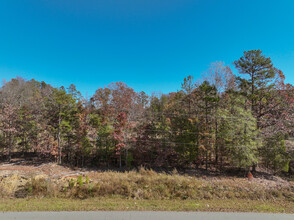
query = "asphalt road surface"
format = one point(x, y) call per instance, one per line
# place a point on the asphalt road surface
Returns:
point(142, 216)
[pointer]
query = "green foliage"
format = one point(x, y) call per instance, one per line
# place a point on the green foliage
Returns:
point(219, 120)
point(130, 159)
point(80, 181)
point(238, 132)
point(259, 82)
point(286, 167)
point(275, 154)
point(71, 183)
point(87, 180)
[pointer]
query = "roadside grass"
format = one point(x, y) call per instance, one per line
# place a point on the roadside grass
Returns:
point(119, 204)
point(149, 185)
point(145, 190)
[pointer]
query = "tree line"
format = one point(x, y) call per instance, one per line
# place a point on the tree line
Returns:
point(221, 120)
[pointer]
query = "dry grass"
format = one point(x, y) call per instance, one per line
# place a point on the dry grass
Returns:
point(149, 185)
point(143, 190)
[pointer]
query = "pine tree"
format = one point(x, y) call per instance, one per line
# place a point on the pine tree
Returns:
point(62, 114)
point(238, 133)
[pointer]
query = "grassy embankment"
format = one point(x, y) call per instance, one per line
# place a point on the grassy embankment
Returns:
point(148, 190)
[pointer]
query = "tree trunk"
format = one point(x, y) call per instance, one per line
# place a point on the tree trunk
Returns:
point(221, 160)
point(126, 157)
point(216, 143)
point(252, 92)
point(10, 147)
point(207, 142)
point(206, 160)
point(253, 168)
point(290, 168)
point(59, 138)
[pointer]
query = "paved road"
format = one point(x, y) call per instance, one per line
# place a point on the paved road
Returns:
point(142, 216)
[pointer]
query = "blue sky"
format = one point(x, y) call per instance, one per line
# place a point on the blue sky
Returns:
point(149, 44)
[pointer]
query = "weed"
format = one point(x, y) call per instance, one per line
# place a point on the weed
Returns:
point(87, 180)
point(71, 183)
point(80, 181)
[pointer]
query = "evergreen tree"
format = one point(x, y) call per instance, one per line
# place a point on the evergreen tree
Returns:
point(62, 112)
point(207, 102)
point(238, 133)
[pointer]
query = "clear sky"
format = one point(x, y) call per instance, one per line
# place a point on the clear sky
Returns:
point(149, 44)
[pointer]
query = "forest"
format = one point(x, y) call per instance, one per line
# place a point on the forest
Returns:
point(243, 120)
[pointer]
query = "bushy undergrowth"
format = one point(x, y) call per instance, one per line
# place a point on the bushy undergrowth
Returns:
point(147, 184)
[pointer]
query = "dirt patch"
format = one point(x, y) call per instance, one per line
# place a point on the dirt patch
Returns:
point(14, 176)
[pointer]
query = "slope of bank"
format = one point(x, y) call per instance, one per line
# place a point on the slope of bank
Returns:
point(52, 187)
